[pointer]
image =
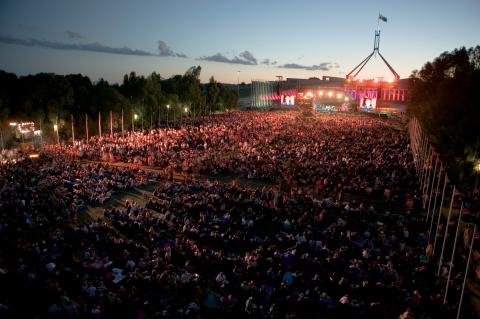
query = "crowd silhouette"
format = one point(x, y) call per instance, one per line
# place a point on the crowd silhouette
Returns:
point(327, 234)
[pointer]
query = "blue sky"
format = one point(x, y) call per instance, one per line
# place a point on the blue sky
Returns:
point(261, 39)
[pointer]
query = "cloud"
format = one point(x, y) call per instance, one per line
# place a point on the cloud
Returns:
point(216, 58)
point(91, 47)
point(245, 58)
point(324, 66)
point(74, 35)
point(248, 56)
point(268, 62)
point(164, 50)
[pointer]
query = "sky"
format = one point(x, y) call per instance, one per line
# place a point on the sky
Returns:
point(234, 41)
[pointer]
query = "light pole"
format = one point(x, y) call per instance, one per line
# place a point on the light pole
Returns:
point(168, 109)
point(186, 113)
point(135, 117)
point(55, 128)
point(143, 111)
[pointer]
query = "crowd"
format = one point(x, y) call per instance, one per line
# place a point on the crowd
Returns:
point(202, 249)
point(10, 156)
point(224, 250)
point(36, 192)
point(333, 152)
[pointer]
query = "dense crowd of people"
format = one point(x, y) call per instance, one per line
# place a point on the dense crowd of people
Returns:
point(203, 249)
point(332, 152)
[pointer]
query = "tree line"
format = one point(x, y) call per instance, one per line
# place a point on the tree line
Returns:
point(47, 98)
point(445, 97)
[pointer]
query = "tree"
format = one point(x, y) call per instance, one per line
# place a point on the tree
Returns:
point(46, 97)
point(191, 92)
point(213, 92)
point(444, 97)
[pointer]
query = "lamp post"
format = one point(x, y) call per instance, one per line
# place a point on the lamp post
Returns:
point(168, 109)
point(135, 117)
point(55, 128)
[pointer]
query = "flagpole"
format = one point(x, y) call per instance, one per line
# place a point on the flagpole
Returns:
point(446, 232)
point(427, 181)
point(466, 271)
point(415, 124)
point(86, 125)
point(73, 131)
point(422, 162)
point(421, 143)
point(424, 151)
point(440, 211)
point(425, 167)
point(435, 202)
point(111, 124)
point(417, 144)
point(99, 125)
point(426, 175)
point(41, 132)
point(431, 188)
point(453, 253)
point(122, 122)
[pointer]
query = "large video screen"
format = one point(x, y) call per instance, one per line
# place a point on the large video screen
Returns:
point(368, 104)
point(287, 100)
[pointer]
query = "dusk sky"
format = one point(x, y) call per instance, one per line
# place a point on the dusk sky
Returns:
point(261, 39)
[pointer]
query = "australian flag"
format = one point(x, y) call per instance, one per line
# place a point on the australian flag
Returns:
point(380, 17)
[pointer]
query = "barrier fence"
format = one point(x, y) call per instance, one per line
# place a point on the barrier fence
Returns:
point(438, 199)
